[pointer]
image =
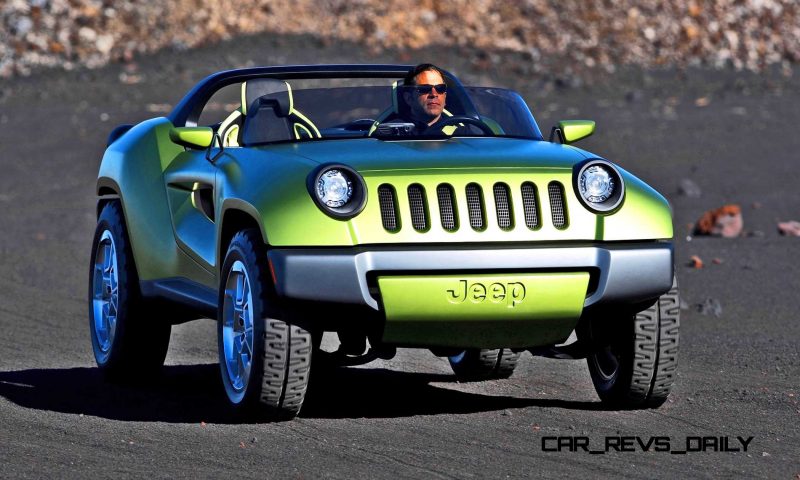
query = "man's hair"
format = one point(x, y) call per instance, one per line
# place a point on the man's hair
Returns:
point(410, 78)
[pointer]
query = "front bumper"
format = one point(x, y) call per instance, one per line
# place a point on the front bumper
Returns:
point(621, 273)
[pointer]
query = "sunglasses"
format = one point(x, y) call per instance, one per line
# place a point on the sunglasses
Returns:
point(441, 89)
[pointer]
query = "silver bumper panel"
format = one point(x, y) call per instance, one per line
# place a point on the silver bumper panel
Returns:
point(626, 272)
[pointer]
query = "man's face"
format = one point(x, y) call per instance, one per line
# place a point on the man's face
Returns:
point(427, 106)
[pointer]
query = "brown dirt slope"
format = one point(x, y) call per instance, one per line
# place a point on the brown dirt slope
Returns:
point(565, 36)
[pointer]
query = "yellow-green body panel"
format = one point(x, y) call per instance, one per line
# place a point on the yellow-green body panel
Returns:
point(197, 137)
point(484, 311)
point(457, 162)
point(574, 130)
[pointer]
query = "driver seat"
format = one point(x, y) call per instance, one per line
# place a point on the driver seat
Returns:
point(399, 107)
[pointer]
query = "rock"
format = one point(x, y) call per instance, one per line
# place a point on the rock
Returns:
point(105, 43)
point(22, 26)
point(710, 306)
point(790, 228)
point(695, 262)
point(87, 34)
point(688, 188)
point(725, 222)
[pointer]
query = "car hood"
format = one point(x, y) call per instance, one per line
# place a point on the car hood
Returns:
point(367, 154)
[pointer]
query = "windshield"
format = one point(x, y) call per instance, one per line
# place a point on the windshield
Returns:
point(320, 109)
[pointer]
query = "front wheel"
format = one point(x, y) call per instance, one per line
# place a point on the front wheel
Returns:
point(636, 364)
point(484, 364)
point(264, 362)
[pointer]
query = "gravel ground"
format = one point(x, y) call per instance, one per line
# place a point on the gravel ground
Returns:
point(731, 133)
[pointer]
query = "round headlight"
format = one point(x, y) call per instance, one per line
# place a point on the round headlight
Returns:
point(599, 185)
point(596, 185)
point(338, 190)
point(334, 188)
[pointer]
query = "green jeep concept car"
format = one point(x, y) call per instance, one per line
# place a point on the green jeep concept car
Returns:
point(286, 202)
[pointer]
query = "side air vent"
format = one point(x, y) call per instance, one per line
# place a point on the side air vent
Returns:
point(475, 207)
point(502, 202)
point(446, 197)
point(388, 203)
point(531, 205)
point(557, 208)
point(416, 202)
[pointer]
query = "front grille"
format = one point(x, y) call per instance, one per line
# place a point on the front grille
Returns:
point(388, 203)
point(502, 203)
point(530, 205)
point(447, 197)
point(559, 213)
point(446, 209)
point(416, 202)
point(475, 206)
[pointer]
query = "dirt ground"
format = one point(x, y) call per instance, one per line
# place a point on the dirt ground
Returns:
point(732, 134)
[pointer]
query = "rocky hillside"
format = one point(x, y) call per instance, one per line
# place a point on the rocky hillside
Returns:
point(570, 36)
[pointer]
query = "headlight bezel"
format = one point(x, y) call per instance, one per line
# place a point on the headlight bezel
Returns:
point(614, 201)
point(358, 198)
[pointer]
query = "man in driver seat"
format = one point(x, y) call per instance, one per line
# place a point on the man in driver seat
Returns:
point(425, 93)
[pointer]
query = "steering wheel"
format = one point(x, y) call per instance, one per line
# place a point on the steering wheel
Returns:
point(455, 119)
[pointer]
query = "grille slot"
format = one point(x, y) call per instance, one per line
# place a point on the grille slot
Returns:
point(416, 201)
point(531, 205)
point(557, 207)
point(475, 206)
point(388, 203)
point(502, 203)
point(446, 197)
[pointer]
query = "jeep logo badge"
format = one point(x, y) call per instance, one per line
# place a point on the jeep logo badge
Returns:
point(510, 293)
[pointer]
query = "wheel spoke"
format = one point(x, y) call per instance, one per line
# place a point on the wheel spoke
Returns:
point(246, 295)
point(247, 335)
point(244, 361)
point(239, 289)
point(112, 306)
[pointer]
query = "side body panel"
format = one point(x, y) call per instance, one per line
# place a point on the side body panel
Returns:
point(133, 166)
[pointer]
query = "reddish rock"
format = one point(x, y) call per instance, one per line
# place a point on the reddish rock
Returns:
point(695, 262)
point(725, 221)
point(790, 228)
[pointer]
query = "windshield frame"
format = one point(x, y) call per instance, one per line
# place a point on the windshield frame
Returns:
point(188, 111)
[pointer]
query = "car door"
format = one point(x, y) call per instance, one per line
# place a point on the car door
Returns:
point(190, 184)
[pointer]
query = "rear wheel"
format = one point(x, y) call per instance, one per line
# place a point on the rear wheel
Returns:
point(484, 364)
point(129, 339)
point(264, 362)
point(637, 362)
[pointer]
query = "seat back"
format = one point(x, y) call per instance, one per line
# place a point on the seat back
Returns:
point(266, 104)
point(231, 130)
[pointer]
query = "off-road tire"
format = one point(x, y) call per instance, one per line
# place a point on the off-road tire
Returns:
point(646, 349)
point(137, 346)
point(484, 364)
point(281, 353)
